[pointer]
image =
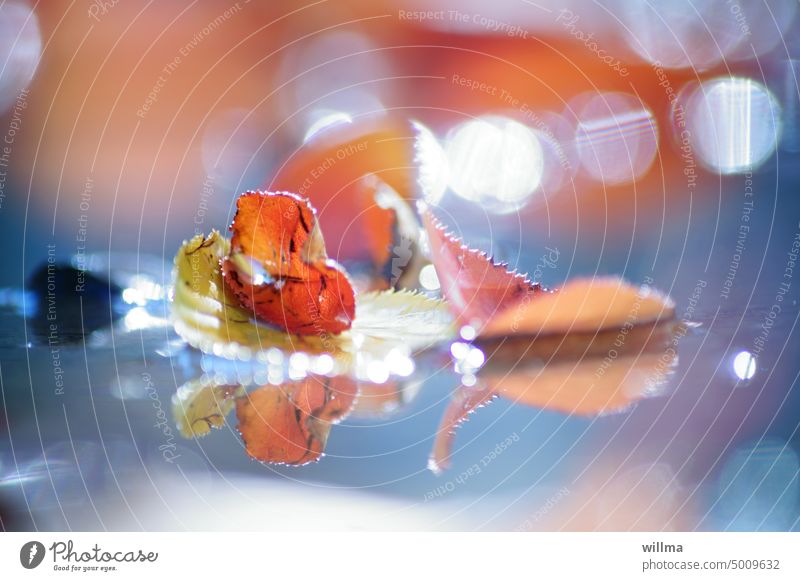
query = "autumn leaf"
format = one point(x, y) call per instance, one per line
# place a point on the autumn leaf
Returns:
point(583, 305)
point(279, 270)
point(548, 349)
point(475, 286)
point(503, 303)
point(208, 317)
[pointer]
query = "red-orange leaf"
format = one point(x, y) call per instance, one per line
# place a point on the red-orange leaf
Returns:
point(476, 287)
point(279, 269)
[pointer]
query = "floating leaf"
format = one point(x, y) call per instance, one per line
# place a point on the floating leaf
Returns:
point(583, 305)
point(208, 318)
point(475, 286)
point(279, 270)
point(505, 303)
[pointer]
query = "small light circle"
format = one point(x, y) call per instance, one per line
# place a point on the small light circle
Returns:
point(744, 365)
point(735, 124)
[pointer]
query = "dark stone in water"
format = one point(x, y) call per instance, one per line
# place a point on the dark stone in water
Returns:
point(70, 302)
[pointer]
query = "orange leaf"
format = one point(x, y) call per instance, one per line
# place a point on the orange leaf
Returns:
point(279, 269)
point(583, 305)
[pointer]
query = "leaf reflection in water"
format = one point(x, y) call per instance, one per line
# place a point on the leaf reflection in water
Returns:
point(202, 404)
point(287, 423)
point(584, 374)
